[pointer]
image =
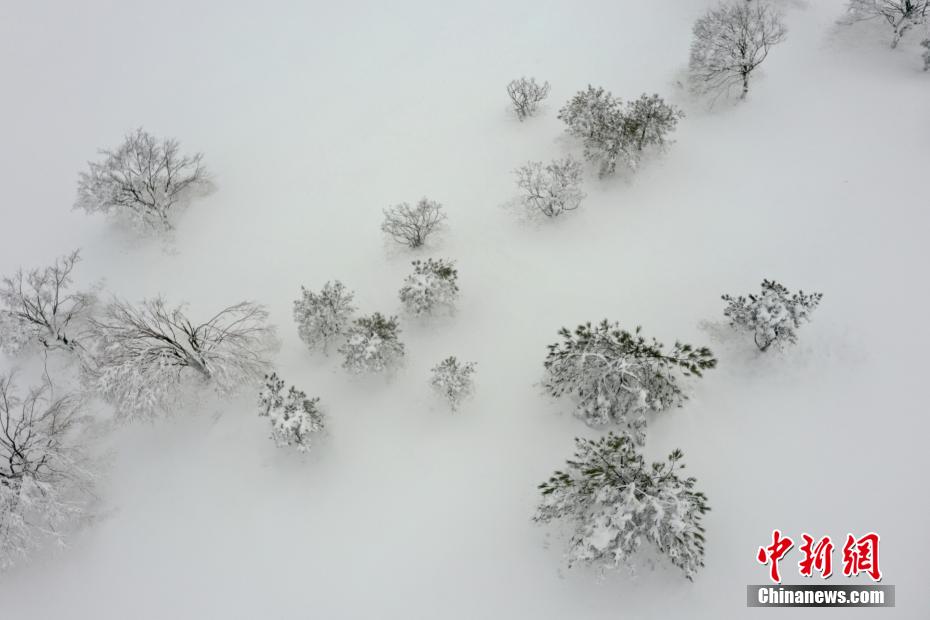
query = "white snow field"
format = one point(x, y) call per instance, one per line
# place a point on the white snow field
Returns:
point(314, 117)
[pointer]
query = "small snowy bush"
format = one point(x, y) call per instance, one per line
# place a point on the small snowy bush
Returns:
point(553, 189)
point(39, 307)
point(452, 380)
point(431, 286)
point(773, 315)
point(613, 502)
point(412, 226)
point(616, 376)
point(525, 94)
point(294, 417)
point(372, 345)
point(322, 317)
point(926, 55)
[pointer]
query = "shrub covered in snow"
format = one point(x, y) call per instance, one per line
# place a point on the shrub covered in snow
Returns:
point(613, 502)
point(615, 133)
point(431, 286)
point(553, 189)
point(45, 479)
point(144, 356)
point(773, 315)
point(525, 94)
point(322, 317)
point(616, 376)
point(294, 417)
point(145, 180)
point(926, 55)
point(372, 345)
point(453, 381)
point(412, 226)
point(40, 308)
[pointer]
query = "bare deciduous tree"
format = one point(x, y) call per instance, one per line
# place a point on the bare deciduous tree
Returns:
point(730, 41)
point(45, 479)
point(901, 15)
point(525, 94)
point(145, 354)
point(413, 225)
point(553, 189)
point(145, 180)
point(39, 307)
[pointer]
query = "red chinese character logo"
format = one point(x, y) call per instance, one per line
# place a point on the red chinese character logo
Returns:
point(861, 556)
point(774, 552)
point(819, 556)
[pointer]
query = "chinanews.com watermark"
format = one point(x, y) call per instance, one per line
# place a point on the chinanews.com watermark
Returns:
point(860, 556)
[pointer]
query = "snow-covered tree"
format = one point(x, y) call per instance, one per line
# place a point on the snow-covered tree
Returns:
point(39, 307)
point(553, 189)
point(613, 502)
point(615, 376)
point(453, 381)
point(595, 116)
point(647, 122)
point(432, 286)
point(145, 180)
point(615, 133)
point(926, 55)
point(730, 42)
point(45, 475)
point(412, 226)
point(372, 345)
point(322, 317)
point(525, 94)
point(901, 15)
point(772, 315)
point(146, 355)
point(294, 417)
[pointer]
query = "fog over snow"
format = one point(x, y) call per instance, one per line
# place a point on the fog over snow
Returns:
point(313, 117)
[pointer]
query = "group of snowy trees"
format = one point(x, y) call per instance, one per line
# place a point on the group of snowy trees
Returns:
point(144, 359)
point(149, 358)
point(611, 500)
point(371, 343)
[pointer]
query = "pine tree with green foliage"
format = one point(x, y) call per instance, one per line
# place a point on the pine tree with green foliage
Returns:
point(372, 344)
point(432, 286)
point(614, 502)
point(616, 376)
point(773, 316)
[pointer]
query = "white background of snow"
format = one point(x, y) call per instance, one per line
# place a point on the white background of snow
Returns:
point(313, 118)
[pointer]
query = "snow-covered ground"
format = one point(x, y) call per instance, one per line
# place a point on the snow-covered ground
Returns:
point(315, 116)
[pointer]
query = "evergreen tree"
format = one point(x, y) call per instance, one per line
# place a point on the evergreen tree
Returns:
point(372, 344)
point(452, 380)
point(616, 376)
point(431, 286)
point(773, 315)
point(614, 502)
point(294, 417)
